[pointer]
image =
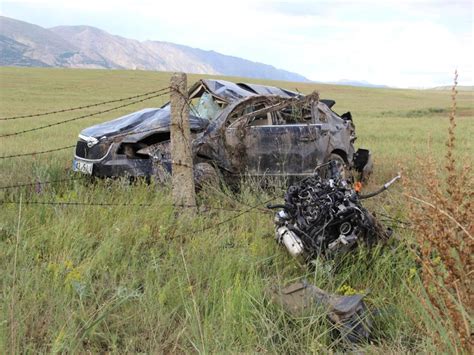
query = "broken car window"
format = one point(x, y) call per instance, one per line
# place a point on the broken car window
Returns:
point(247, 108)
point(292, 115)
point(207, 107)
point(322, 116)
point(259, 120)
point(324, 112)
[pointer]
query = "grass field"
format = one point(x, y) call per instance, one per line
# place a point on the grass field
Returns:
point(140, 279)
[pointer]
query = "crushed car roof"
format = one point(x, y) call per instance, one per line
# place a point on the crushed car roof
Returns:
point(144, 121)
point(268, 90)
point(230, 92)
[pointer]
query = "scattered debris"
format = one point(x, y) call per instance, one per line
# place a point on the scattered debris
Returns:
point(323, 216)
point(348, 314)
point(326, 217)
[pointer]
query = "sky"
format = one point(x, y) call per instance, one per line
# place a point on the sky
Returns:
point(400, 43)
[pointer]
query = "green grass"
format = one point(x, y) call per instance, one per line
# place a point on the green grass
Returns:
point(140, 279)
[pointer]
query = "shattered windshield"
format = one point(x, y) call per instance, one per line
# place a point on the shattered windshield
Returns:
point(207, 107)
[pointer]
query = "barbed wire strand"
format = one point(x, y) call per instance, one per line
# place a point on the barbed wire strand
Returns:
point(85, 177)
point(113, 204)
point(217, 225)
point(35, 183)
point(72, 146)
point(37, 153)
point(82, 107)
point(115, 136)
point(76, 203)
point(80, 117)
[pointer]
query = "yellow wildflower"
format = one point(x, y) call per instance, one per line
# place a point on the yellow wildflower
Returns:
point(68, 265)
point(347, 290)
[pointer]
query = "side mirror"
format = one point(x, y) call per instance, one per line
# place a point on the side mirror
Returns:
point(347, 116)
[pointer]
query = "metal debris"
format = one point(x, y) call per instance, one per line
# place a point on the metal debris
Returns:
point(348, 314)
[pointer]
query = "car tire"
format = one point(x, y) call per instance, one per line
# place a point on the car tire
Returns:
point(161, 174)
point(343, 169)
point(205, 174)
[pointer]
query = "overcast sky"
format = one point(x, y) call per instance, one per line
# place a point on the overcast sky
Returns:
point(399, 43)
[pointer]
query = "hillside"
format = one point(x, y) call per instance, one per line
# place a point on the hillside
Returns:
point(25, 44)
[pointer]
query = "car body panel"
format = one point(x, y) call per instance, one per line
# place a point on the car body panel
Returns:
point(284, 149)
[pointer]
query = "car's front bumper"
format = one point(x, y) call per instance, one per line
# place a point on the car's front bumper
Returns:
point(117, 168)
point(114, 168)
point(113, 165)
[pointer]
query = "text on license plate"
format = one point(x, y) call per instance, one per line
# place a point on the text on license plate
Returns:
point(83, 167)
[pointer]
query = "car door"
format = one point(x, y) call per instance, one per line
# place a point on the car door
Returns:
point(272, 145)
point(290, 149)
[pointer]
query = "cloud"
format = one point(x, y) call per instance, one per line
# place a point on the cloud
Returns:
point(397, 53)
point(400, 43)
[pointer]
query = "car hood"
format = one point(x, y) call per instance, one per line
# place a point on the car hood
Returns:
point(140, 124)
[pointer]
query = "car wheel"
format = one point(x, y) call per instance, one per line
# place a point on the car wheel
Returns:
point(160, 173)
point(205, 174)
point(341, 165)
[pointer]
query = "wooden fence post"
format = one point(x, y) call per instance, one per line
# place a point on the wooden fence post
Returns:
point(181, 155)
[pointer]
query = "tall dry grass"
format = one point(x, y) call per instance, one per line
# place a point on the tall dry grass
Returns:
point(440, 206)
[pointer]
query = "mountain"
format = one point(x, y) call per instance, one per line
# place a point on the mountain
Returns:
point(458, 88)
point(25, 44)
point(361, 83)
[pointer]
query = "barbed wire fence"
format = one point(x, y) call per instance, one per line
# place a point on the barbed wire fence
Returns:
point(202, 208)
point(239, 212)
point(38, 184)
point(120, 135)
point(143, 97)
point(84, 116)
point(154, 94)
point(36, 153)
point(84, 106)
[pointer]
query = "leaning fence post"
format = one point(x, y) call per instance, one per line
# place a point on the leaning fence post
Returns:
point(181, 156)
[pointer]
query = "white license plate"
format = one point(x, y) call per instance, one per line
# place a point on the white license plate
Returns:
point(83, 167)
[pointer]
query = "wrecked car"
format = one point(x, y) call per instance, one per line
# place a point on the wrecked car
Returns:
point(236, 129)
